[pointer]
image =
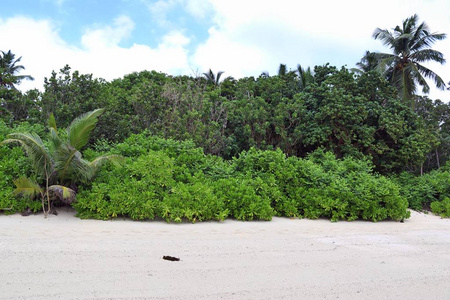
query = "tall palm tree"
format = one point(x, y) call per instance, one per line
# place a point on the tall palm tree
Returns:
point(59, 166)
point(8, 69)
point(211, 78)
point(411, 46)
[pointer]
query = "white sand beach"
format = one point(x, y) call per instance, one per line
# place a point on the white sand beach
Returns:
point(63, 257)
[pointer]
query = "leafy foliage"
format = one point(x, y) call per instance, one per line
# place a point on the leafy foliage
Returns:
point(58, 163)
point(422, 191)
point(176, 181)
point(441, 208)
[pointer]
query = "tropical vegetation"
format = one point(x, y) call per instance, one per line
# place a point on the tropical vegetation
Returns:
point(58, 165)
point(322, 142)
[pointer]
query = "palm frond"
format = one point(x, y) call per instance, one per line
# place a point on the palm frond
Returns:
point(427, 40)
point(80, 129)
point(52, 122)
point(384, 61)
point(35, 149)
point(417, 77)
point(26, 187)
point(385, 37)
point(116, 160)
point(219, 74)
point(428, 55)
point(440, 84)
point(69, 164)
point(54, 136)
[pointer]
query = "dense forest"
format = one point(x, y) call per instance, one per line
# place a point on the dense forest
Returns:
point(325, 142)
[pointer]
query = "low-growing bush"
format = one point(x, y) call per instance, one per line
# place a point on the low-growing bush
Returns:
point(192, 202)
point(245, 198)
point(323, 186)
point(441, 208)
point(422, 191)
point(135, 190)
point(343, 189)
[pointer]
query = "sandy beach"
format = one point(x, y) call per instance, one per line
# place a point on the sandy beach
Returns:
point(63, 257)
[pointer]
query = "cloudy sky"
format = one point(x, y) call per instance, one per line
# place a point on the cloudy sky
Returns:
point(111, 38)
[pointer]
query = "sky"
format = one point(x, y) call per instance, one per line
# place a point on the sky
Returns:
point(112, 38)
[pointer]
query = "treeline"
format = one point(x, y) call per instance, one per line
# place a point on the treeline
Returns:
point(200, 149)
point(357, 115)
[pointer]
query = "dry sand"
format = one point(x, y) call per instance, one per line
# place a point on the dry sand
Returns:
point(63, 257)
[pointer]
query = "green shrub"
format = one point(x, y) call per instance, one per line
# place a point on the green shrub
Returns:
point(135, 190)
point(176, 181)
point(441, 208)
point(245, 198)
point(421, 191)
point(188, 158)
point(321, 186)
point(193, 202)
point(340, 189)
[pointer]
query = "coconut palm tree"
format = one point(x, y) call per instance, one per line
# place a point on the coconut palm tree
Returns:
point(58, 164)
point(9, 68)
point(211, 78)
point(411, 46)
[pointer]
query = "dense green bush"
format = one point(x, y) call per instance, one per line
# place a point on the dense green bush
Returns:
point(421, 191)
point(245, 198)
point(135, 190)
point(441, 208)
point(193, 202)
point(323, 186)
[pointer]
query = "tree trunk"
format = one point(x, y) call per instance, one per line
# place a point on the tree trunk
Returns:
point(437, 159)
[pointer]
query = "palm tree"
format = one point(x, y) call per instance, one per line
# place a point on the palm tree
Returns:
point(368, 63)
point(213, 79)
point(282, 70)
point(306, 76)
point(411, 46)
point(60, 164)
point(8, 69)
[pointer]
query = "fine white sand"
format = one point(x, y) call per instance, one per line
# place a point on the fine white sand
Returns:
point(63, 257)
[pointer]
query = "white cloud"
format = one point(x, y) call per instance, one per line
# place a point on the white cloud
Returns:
point(43, 50)
point(220, 53)
point(108, 36)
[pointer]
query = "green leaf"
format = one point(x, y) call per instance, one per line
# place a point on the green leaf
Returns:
point(81, 128)
point(52, 122)
point(26, 187)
